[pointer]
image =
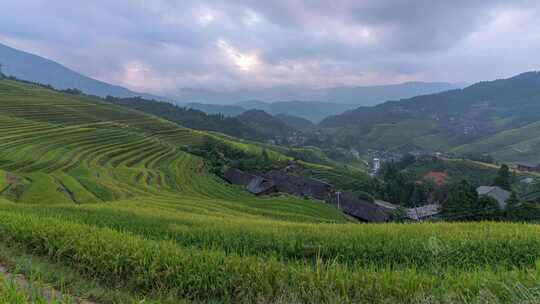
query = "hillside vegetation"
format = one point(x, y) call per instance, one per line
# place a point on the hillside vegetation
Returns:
point(113, 195)
point(266, 124)
point(499, 118)
point(191, 118)
point(296, 122)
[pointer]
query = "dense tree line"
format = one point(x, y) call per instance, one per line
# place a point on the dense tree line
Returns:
point(464, 204)
point(403, 188)
point(459, 198)
point(219, 156)
point(268, 126)
point(190, 118)
point(503, 178)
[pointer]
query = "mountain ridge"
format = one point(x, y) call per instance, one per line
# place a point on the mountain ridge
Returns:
point(266, 124)
point(460, 120)
point(309, 103)
point(314, 111)
point(350, 95)
point(32, 67)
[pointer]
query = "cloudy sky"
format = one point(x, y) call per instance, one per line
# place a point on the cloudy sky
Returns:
point(163, 45)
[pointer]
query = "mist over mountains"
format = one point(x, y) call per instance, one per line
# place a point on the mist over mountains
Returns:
point(358, 96)
point(35, 68)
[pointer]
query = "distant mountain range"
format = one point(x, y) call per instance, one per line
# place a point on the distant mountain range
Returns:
point(337, 101)
point(34, 68)
point(500, 118)
point(296, 122)
point(292, 100)
point(227, 110)
point(356, 96)
point(313, 111)
point(372, 95)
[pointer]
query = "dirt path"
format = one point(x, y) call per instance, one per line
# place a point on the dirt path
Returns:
point(47, 293)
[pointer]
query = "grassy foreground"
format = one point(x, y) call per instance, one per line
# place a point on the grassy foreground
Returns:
point(110, 194)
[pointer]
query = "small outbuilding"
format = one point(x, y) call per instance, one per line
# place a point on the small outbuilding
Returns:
point(280, 181)
point(528, 180)
point(237, 177)
point(261, 186)
point(299, 185)
point(257, 185)
point(528, 167)
point(423, 213)
point(362, 210)
point(497, 193)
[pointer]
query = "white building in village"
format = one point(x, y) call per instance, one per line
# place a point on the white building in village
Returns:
point(376, 165)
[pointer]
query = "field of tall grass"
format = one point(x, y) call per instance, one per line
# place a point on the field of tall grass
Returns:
point(111, 194)
point(389, 263)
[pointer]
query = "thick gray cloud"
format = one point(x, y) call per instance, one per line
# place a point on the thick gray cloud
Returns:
point(163, 45)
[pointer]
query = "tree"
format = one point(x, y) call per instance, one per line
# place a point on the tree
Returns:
point(418, 196)
point(512, 204)
point(264, 155)
point(73, 91)
point(406, 161)
point(461, 202)
point(399, 215)
point(397, 188)
point(487, 208)
point(503, 178)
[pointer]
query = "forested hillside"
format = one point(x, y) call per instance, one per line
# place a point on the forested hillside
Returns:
point(227, 110)
point(191, 118)
point(496, 117)
point(296, 122)
point(266, 124)
point(314, 111)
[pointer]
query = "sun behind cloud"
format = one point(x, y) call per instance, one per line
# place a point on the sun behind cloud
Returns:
point(243, 61)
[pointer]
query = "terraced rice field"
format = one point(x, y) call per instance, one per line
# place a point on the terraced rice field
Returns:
point(110, 195)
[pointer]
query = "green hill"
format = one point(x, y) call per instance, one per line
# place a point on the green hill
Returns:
point(105, 202)
point(51, 141)
point(519, 144)
point(296, 122)
point(266, 124)
point(191, 118)
point(35, 68)
point(227, 110)
point(497, 117)
point(314, 111)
